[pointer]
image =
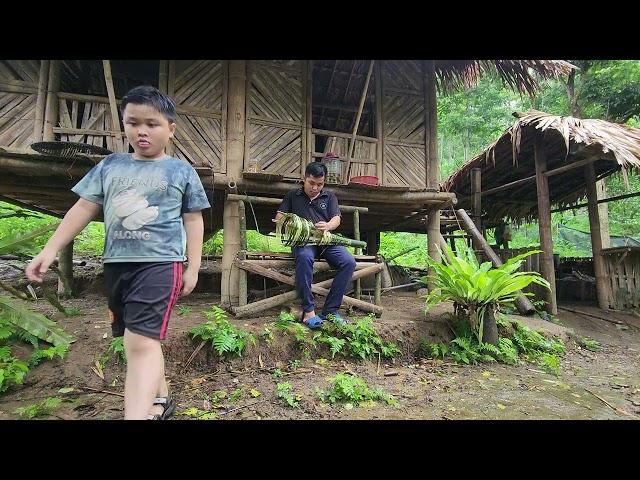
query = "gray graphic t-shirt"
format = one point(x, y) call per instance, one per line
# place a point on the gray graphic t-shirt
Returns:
point(143, 202)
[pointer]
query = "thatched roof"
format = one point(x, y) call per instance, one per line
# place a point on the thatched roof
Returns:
point(566, 140)
point(453, 74)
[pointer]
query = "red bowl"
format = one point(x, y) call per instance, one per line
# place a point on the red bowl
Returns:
point(365, 179)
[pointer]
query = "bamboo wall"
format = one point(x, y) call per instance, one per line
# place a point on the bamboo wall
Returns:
point(279, 134)
point(622, 270)
point(18, 97)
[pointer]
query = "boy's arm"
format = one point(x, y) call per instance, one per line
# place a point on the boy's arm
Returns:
point(73, 222)
point(194, 226)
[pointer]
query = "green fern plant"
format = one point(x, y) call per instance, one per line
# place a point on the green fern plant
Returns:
point(353, 389)
point(284, 391)
point(224, 337)
point(43, 408)
point(479, 288)
point(12, 370)
point(116, 348)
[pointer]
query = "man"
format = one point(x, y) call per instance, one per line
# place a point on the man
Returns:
point(321, 208)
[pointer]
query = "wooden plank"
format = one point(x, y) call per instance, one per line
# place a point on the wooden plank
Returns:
point(363, 97)
point(596, 237)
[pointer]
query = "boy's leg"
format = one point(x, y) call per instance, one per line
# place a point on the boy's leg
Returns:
point(339, 258)
point(304, 258)
point(145, 365)
point(149, 299)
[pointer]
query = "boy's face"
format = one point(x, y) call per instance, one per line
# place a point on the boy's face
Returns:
point(313, 185)
point(147, 130)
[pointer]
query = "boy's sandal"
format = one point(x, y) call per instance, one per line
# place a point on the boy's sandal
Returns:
point(169, 406)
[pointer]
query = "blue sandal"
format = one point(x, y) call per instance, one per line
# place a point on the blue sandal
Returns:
point(314, 322)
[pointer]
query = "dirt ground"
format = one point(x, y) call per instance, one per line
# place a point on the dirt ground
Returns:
point(592, 385)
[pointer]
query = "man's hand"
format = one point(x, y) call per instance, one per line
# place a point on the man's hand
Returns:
point(323, 226)
point(189, 280)
point(39, 265)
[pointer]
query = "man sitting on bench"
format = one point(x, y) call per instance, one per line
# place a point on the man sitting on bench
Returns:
point(321, 208)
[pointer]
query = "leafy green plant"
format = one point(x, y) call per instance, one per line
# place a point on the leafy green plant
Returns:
point(360, 340)
point(294, 364)
point(284, 391)
point(589, 344)
point(478, 287)
point(198, 414)
point(466, 349)
point(184, 310)
point(353, 389)
point(40, 409)
point(116, 348)
point(277, 373)
point(12, 370)
point(224, 337)
point(53, 351)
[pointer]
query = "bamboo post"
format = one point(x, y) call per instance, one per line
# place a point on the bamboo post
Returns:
point(432, 166)
point(603, 213)
point(65, 264)
point(261, 305)
point(52, 105)
point(235, 158)
point(377, 293)
point(476, 193)
point(242, 255)
point(523, 304)
point(38, 125)
point(171, 91)
point(115, 117)
point(379, 124)
point(596, 238)
point(358, 251)
point(308, 143)
point(373, 242)
point(352, 143)
point(544, 225)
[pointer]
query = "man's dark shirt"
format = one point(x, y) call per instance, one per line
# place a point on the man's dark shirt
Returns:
point(322, 209)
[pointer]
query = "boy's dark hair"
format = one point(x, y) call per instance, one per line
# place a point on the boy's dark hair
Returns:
point(148, 95)
point(316, 169)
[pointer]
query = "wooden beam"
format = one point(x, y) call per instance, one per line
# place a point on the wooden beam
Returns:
point(41, 101)
point(547, 174)
point(358, 251)
point(476, 194)
point(310, 139)
point(432, 166)
point(277, 201)
point(603, 213)
point(115, 117)
point(544, 225)
point(235, 160)
point(52, 104)
point(379, 124)
point(602, 200)
point(596, 239)
point(352, 142)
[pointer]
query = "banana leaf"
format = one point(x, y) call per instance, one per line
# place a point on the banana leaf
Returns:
point(35, 323)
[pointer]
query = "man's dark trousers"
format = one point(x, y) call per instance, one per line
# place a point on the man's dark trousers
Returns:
point(339, 258)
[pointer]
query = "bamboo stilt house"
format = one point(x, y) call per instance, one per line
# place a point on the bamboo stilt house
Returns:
point(250, 127)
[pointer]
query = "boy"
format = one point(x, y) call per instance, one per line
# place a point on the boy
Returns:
point(150, 200)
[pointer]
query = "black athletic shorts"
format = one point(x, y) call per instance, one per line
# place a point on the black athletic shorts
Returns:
point(141, 296)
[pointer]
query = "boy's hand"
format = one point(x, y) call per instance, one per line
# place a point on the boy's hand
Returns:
point(189, 280)
point(39, 265)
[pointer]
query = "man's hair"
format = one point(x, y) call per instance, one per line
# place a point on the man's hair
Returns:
point(316, 169)
point(148, 95)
